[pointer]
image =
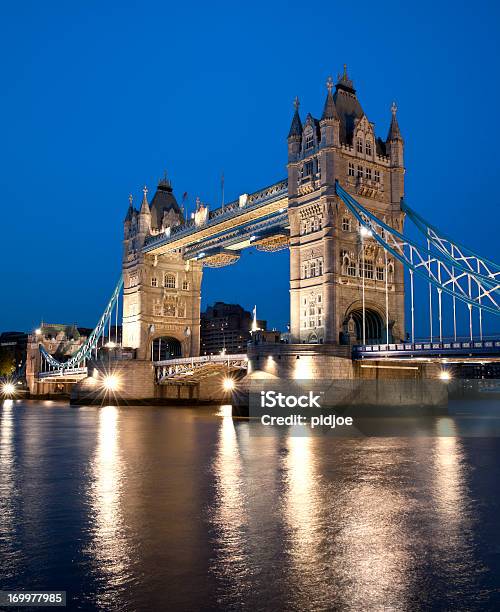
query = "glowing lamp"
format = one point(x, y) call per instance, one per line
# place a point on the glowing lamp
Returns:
point(111, 382)
point(8, 389)
point(445, 375)
point(228, 384)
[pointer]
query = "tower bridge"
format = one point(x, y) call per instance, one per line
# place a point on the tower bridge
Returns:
point(341, 214)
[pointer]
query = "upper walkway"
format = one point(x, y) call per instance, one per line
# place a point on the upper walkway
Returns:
point(226, 226)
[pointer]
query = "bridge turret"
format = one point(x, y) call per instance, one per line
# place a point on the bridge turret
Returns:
point(395, 142)
point(395, 151)
point(295, 133)
point(144, 227)
point(330, 121)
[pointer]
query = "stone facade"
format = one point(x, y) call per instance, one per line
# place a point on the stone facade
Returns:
point(329, 256)
point(161, 295)
point(59, 340)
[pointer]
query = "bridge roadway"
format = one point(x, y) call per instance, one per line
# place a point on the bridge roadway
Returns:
point(193, 369)
point(190, 370)
point(237, 225)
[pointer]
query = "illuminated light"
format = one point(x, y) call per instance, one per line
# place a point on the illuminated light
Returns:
point(223, 351)
point(252, 238)
point(444, 375)
point(228, 384)
point(38, 331)
point(303, 369)
point(226, 410)
point(365, 232)
point(110, 345)
point(111, 382)
point(8, 389)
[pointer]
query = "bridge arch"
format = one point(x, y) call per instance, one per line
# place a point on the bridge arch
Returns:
point(374, 323)
point(165, 347)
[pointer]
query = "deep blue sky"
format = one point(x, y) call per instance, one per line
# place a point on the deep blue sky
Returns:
point(100, 98)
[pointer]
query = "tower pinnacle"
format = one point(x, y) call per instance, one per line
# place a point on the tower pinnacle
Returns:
point(145, 204)
point(329, 110)
point(394, 131)
point(296, 127)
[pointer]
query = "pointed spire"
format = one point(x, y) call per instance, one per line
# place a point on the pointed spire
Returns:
point(130, 211)
point(329, 110)
point(344, 82)
point(165, 182)
point(394, 132)
point(296, 127)
point(145, 204)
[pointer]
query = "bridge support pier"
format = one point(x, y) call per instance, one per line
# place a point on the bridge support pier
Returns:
point(377, 384)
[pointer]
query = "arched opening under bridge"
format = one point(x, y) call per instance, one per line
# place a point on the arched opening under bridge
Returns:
point(165, 347)
point(374, 326)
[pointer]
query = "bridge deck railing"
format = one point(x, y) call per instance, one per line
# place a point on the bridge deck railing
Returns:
point(451, 347)
point(202, 359)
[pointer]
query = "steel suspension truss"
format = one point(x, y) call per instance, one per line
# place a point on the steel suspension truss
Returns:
point(79, 358)
point(446, 265)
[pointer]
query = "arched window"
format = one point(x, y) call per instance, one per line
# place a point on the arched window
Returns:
point(169, 281)
point(164, 348)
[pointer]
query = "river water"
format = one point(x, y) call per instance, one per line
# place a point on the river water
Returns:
point(153, 508)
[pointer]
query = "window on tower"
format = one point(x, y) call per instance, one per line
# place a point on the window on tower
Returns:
point(377, 176)
point(360, 145)
point(309, 140)
point(367, 269)
point(346, 224)
point(360, 171)
point(368, 147)
point(369, 173)
point(308, 168)
point(169, 281)
point(154, 281)
point(351, 169)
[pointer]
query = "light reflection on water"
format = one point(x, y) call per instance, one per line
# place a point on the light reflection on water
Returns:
point(9, 553)
point(181, 509)
point(108, 549)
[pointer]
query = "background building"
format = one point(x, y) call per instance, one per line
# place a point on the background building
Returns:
point(12, 353)
point(226, 326)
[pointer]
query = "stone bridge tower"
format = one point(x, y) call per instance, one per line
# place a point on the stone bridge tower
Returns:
point(161, 295)
point(329, 256)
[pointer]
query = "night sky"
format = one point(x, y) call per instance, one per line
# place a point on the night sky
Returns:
point(99, 99)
